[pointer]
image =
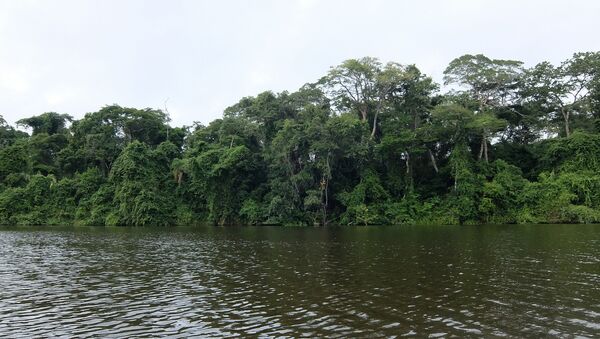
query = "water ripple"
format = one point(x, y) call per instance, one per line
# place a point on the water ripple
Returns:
point(352, 282)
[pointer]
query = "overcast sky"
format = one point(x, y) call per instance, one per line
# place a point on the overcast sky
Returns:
point(202, 56)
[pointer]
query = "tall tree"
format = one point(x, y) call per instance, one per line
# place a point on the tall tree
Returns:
point(566, 91)
point(50, 123)
point(490, 82)
point(404, 119)
point(363, 85)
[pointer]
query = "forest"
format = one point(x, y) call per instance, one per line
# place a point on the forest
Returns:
point(368, 143)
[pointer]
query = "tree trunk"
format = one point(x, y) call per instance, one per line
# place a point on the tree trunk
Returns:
point(363, 113)
point(433, 162)
point(409, 175)
point(324, 200)
point(379, 106)
point(483, 148)
point(326, 190)
point(374, 126)
point(566, 116)
point(289, 163)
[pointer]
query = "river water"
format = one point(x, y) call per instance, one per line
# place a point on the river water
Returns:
point(524, 281)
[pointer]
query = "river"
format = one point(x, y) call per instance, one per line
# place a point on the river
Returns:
point(422, 281)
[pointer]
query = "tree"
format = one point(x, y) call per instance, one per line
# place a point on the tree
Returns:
point(369, 143)
point(99, 137)
point(141, 193)
point(491, 82)
point(564, 91)
point(49, 123)
point(14, 159)
point(363, 85)
point(406, 121)
point(8, 135)
point(225, 177)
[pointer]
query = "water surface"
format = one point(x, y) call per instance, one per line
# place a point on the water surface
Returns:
point(300, 282)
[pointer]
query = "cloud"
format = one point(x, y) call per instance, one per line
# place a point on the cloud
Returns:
point(14, 81)
point(75, 56)
point(58, 96)
point(306, 4)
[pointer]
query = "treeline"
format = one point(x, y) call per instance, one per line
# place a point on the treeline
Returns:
point(369, 143)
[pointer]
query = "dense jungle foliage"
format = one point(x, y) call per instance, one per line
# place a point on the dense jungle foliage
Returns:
point(369, 143)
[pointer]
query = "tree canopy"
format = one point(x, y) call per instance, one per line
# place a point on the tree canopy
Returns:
point(370, 142)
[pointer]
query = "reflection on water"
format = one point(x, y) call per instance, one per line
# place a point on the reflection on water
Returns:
point(344, 282)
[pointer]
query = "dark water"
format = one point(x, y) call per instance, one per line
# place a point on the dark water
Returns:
point(525, 281)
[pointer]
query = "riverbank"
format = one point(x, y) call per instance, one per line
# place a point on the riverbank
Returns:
point(367, 143)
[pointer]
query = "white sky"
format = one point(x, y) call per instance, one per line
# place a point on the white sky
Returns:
point(77, 56)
